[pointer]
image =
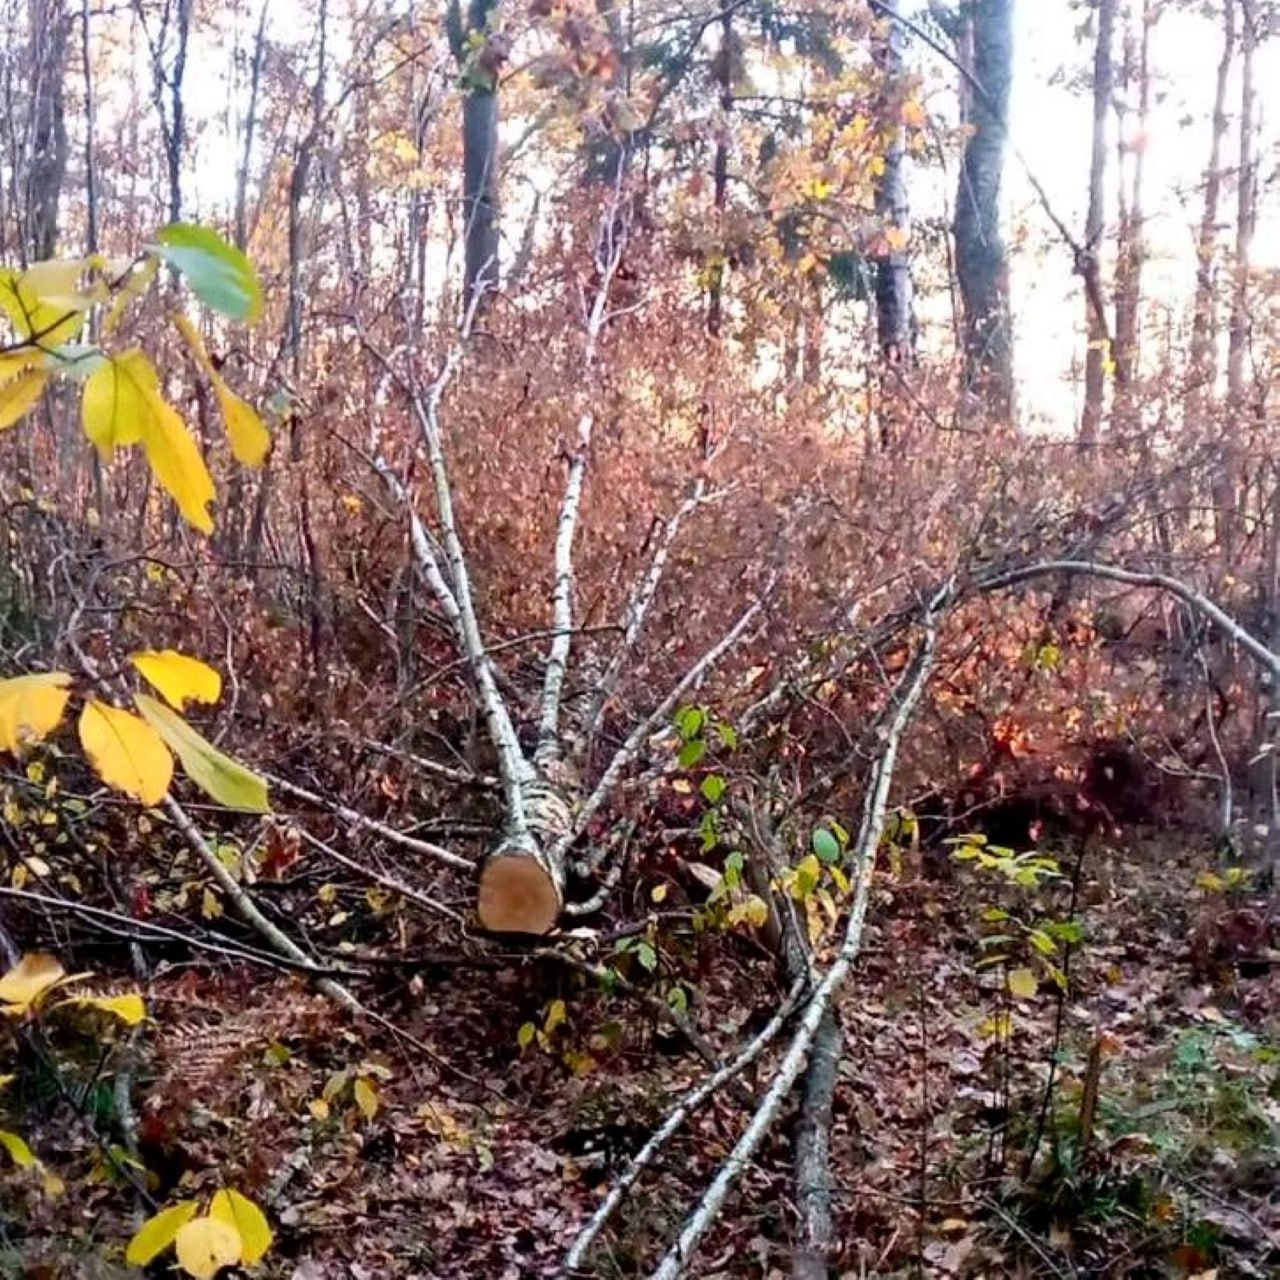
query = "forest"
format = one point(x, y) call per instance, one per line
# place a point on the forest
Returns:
point(639, 638)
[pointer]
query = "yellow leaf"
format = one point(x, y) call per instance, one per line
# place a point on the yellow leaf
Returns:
point(319, 1108)
point(28, 980)
point(117, 401)
point(18, 396)
point(249, 1221)
point(1023, 984)
point(125, 752)
point(135, 283)
point(7, 1079)
point(22, 1154)
point(31, 708)
point(556, 1014)
point(226, 780)
point(366, 1097)
point(178, 465)
point(45, 302)
point(248, 436)
point(250, 441)
point(158, 1233)
point(178, 678)
point(205, 1246)
point(131, 1009)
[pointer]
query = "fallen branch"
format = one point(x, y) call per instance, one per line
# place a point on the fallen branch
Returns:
point(407, 892)
point(688, 1105)
point(630, 749)
point(374, 827)
point(1197, 600)
point(793, 1062)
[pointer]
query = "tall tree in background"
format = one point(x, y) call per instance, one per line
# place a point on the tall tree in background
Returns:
point(1203, 364)
point(893, 268)
point(982, 267)
point(479, 53)
point(1098, 354)
point(1135, 77)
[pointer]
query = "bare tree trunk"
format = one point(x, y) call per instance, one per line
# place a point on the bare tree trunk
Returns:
point(982, 266)
point(1130, 234)
point(1203, 365)
point(250, 129)
point(47, 131)
point(1227, 497)
point(895, 322)
point(1097, 356)
point(479, 53)
point(720, 174)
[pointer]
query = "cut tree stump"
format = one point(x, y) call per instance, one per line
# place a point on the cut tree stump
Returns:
point(522, 881)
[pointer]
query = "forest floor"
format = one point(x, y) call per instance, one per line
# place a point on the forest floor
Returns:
point(470, 1156)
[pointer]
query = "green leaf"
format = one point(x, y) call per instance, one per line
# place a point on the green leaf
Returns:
point(728, 736)
point(226, 780)
point(1042, 942)
point(689, 722)
point(825, 846)
point(712, 788)
point(647, 956)
point(524, 1037)
point(219, 274)
point(691, 753)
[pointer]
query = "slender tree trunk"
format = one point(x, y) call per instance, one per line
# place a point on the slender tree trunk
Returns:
point(47, 155)
point(982, 267)
point(90, 145)
point(1097, 356)
point(895, 322)
point(720, 175)
point(1227, 497)
point(1203, 366)
point(1130, 234)
point(250, 129)
point(479, 54)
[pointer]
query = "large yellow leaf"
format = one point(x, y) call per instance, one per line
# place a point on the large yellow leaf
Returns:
point(125, 752)
point(205, 1246)
point(21, 1154)
point(178, 465)
point(18, 396)
point(250, 441)
point(179, 678)
point(216, 774)
point(117, 401)
point(131, 1009)
point(248, 435)
point(45, 302)
point(249, 1221)
point(35, 975)
point(158, 1232)
point(31, 708)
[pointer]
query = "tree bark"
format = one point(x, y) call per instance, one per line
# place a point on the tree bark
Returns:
point(1227, 498)
point(1098, 355)
point(982, 267)
point(1202, 369)
point(894, 319)
point(1130, 234)
point(479, 55)
point(47, 131)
